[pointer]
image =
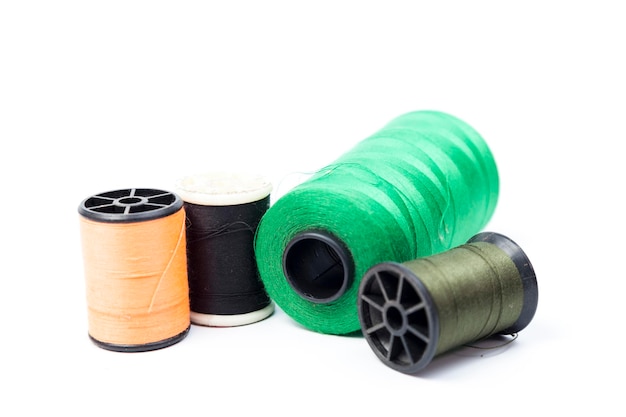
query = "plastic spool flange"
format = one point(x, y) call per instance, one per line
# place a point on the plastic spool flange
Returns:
point(393, 299)
point(130, 205)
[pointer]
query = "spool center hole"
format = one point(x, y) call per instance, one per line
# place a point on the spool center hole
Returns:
point(130, 200)
point(394, 318)
point(315, 269)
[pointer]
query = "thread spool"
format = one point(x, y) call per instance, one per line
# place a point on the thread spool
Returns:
point(133, 243)
point(414, 311)
point(223, 212)
point(425, 182)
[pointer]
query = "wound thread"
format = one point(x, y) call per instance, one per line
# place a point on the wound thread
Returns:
point(133, 243)
point(414, 311)
point(422, 184)
point(223, 211)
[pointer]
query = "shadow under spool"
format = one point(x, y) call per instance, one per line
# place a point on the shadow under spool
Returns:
point(413, 311)
point(223, 212)
point(119, 300)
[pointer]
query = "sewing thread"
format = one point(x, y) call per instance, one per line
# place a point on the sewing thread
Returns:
point(133, 244)
point(223, 211)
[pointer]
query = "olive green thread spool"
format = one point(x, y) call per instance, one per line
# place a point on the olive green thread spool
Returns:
point(422, 184)
point(412, 312)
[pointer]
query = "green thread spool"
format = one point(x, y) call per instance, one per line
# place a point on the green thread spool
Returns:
point(414, 311)
point(425, 182)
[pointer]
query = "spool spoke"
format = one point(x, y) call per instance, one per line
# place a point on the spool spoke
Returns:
point(407, 349)
point(101, 202)
point(101, 206)
point(156, 200)
point(416, 307)
point(373, 303)
point(159, 195)
point(383, 290)
point(375, 328)
point(393, 348)
point(419, 334)
point(155, 205)
point(399, 289)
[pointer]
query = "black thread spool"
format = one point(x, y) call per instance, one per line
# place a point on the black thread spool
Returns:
point(223, 212)
point(414, 311)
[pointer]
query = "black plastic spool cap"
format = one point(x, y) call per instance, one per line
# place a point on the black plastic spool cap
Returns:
point(132, 205)
point(399, 318)
point(318, 266)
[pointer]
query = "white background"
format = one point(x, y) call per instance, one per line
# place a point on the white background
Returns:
point(96, 96)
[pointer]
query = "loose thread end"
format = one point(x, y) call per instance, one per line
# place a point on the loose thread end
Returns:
point(513, 337)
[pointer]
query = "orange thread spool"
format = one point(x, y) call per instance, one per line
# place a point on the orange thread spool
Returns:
point(134, 252)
